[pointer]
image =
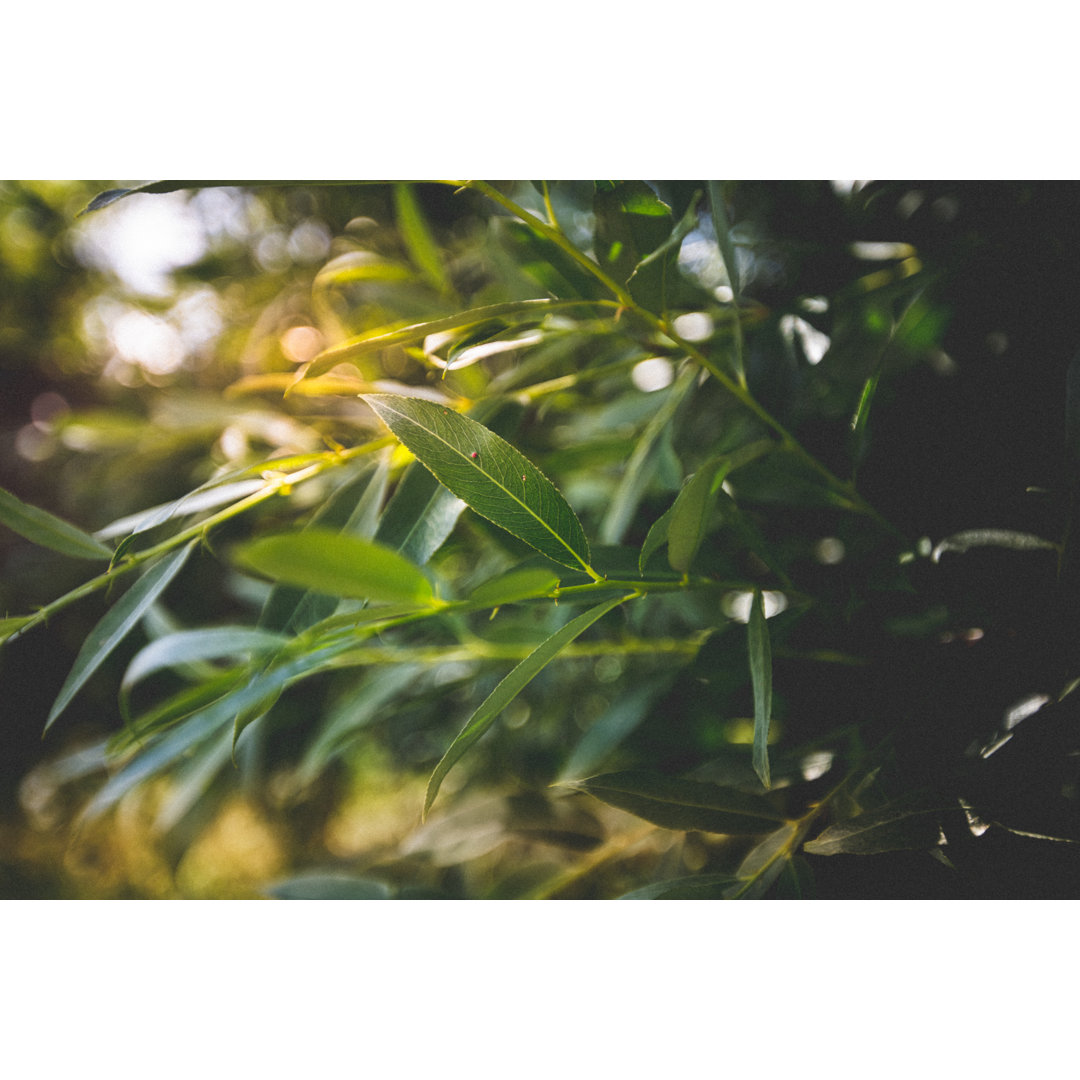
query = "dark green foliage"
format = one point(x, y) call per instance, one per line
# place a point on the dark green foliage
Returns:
point(794, 615)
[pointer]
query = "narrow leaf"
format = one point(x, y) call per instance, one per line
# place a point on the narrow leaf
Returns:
point(164, 187)
point(49, 531)
point(891, 828)
point(617, 722)
point(192, 646)
point(761, 677)
point(419, 517)
point(684, 804)
point(338, 565)
point(328, 886)
point(117, 623)
point(204, 498)
point(691, 512)
point(656, 537)
point(417, 236)
point(509, 689)
point(723, 236)
point(635, 480)
point(489, 474)
point(517, 312)
point(516, 585)
point(698, 887)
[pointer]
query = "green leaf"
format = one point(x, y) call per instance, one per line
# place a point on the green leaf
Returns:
point(362, 705)
point(631, 223)
point(328, 886)
point(523, 584)
point(761, 677)
point(684, 804)
point(723, 236)
point(338, 565)
point(617, 722)
point(295, 609)
point(43, 528)
point(890, 828)
point(154, 759)
point(509, 689)
point(165, 187)
point(420, 243)
point(634, 482)
point(486, 472)
point(656, 537)
point(192, 781)
point(515, 312)
point(419, 517)
point(121, 618)
point(192, 646)
point(698, 887)
point(208, 497)
point(691, 512)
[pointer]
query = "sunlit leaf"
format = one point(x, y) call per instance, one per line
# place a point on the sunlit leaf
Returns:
point(165, 187)
point(120, 620)
point(417, 236)
point(354, 509)
point(509, 689)
point(489, 474)
point(515, 585)
point(41, 527)
point(517, 312)
point(338, 565)
point(207, 498)
point(684, 804)
point(761, 677)
point(890, 828)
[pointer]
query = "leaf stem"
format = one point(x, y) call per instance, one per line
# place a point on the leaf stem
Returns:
point(733, 386)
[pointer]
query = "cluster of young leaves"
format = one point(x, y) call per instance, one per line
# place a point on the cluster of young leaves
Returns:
point(544, 353)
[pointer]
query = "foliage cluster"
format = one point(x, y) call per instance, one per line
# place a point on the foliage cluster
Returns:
point(578, 520)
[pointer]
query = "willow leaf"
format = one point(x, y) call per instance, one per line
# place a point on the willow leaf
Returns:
point(509, 689)
point(761, 677)
point(49, 531)
point(685, 805)
point(117, 623)
point(518, 312)
point(488, 474)
point(339, 565)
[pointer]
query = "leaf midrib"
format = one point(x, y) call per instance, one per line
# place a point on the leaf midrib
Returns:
point(475, 464)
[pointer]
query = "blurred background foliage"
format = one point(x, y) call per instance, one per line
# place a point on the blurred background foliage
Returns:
point(913, 336)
